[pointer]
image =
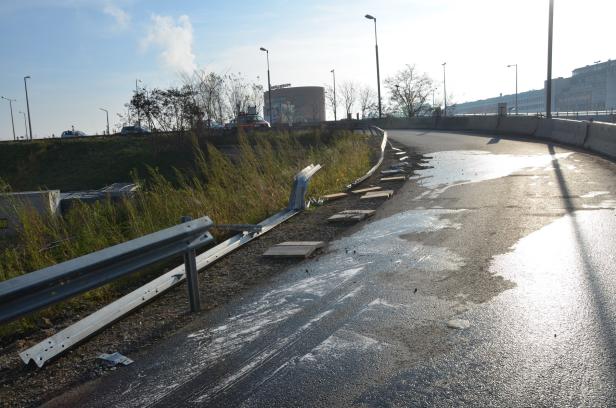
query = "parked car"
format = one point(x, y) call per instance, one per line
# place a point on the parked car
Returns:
point(130, 130)
point(253, 121)
point(72, 133)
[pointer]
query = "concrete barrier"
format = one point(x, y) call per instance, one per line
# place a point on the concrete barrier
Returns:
point(517, 125)
point(565, 131)
point(482, 123)
point(41, 202)
point(602, 139)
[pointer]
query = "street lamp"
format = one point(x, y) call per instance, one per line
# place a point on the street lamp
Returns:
point(269, 84)
point(107, 113)
point(335, 104)
point(137, 103)
point(516, 86)
point(28, 105)
point(11, 107)
point(548, 93)
point(378, 75)
point(445, 88)
point(25, 125)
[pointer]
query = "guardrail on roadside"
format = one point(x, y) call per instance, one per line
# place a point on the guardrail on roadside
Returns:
point(33, 291)
point(190, 231)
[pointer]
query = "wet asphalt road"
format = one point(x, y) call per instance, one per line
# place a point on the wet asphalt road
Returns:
point(488, 280)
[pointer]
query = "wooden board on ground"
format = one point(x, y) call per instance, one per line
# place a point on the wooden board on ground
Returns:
point(400, 153)
point(404, 158)
point(331, 197)
point(378, 194)
point(294, 249)
point(395, 178)
point(365, 190)
point(351, 216)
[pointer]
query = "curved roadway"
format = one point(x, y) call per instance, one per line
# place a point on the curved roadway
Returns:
point(488, 280)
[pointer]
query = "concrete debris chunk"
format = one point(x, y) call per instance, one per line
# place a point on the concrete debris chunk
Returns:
point(391, 172)
point(114, 359)
point(378, 194)
point(458, 324)
point(351, 216)
point(404, 158)
point(395, 178)
point(400, 153)
point(331, 197)
point(294, 249)
point(365, 190)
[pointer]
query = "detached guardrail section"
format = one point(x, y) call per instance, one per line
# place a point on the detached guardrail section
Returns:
point(36, 290)
point(378, 131)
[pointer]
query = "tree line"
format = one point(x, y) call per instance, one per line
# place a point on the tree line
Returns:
point(207, 98)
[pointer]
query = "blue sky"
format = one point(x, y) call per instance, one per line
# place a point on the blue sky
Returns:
point(86, 54)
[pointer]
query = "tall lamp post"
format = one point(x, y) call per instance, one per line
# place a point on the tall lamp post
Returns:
point(548, 93)
point(25, 124)
point(445, 88)
point(378, 74)
point(28, 105)
point(11, 107)
point(136, 92)
point(269, 83)
point(107, 113)
point(335, 104)
point(516, 87)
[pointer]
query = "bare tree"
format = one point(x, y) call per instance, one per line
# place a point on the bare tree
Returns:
point(367, 101)
point(348, 93)
point(410, 91)
point(237, 92)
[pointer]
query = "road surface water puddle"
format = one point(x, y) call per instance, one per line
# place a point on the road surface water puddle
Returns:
point(454, 168)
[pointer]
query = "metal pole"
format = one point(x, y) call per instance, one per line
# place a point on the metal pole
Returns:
point(107, 113)
point(12, 121)
point(548, 102)
point(25, 124)
point(28, 105)
point(378, 74)
point(192, 277)
point(269, 84)
point(517, 112)
point(335, 104)
point(445, 88)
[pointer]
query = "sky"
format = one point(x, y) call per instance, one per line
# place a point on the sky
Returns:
point(83, 55)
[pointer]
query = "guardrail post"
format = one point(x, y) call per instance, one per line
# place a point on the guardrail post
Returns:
point(192, 278)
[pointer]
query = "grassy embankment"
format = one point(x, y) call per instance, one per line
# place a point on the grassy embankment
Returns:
point(254, 185)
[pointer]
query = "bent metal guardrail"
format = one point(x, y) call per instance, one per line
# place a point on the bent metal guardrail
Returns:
point(36, 290)
point(79, 331)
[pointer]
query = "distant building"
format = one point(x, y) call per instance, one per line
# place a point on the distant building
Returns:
point(303, 104)
point(592, 88)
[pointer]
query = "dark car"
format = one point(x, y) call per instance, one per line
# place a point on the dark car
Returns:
point(130, 130)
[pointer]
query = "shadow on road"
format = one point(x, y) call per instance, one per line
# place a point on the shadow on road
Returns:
point(597, 298)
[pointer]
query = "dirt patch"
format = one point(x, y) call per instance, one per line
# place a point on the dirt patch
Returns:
point(22, 386)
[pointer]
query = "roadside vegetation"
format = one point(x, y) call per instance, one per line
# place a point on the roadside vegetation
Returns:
point(246, 189)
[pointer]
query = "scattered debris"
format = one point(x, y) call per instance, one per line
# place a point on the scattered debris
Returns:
point(395, 178)
point(400, 153)
point(366, 190)
point(404, 158)
point(112, 360)
point(378, 194)
point(392, 171)
point(294, 249)
point(458, 324)
point(331, 197)
point(351, 216)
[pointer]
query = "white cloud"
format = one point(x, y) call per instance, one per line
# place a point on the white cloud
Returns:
point(121, 17)
point(175, 41)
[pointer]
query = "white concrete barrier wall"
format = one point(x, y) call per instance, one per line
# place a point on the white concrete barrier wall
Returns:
point(602, 139)
point(518, 125)
point(565, 131)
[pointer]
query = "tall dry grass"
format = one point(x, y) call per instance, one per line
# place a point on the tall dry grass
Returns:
point(249, 188)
